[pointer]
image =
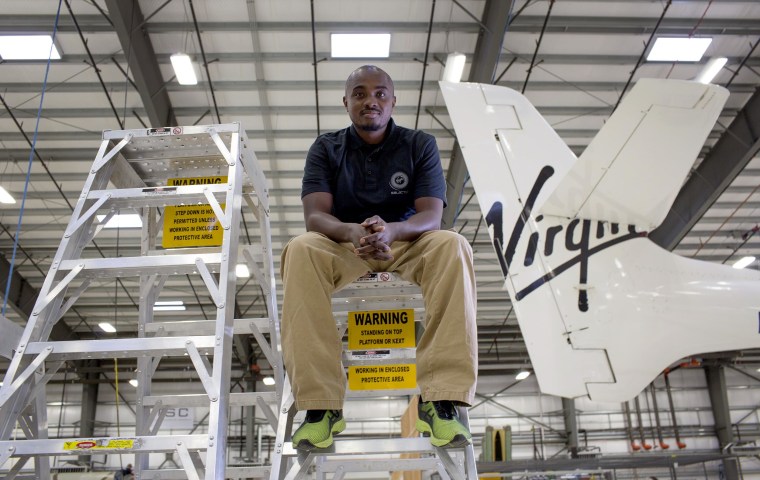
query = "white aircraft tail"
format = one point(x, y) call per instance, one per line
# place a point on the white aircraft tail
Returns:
point(603, 310)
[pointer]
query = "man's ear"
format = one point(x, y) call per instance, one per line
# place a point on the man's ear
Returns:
point(394, 101)
point(345, 102)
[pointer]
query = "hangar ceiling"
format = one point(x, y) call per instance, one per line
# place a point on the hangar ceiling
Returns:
point(268, 62)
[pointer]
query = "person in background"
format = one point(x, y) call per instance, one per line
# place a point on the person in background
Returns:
point(373, 196)
point(124, 473)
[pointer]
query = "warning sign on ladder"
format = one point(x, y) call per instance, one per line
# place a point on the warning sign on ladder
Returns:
point(192, 225)
point(101, 444)
point(382, 377)
point(381, 329)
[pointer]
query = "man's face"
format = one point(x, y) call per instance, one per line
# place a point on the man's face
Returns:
point(369, 100)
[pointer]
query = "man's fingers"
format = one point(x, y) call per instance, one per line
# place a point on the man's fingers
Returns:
point(375, 242)
point(365, 249)
point(374, 237)
point(381, 247)
point(376, 250)
point(382, 256)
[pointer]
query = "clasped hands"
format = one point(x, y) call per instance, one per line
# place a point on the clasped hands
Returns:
point(373, 239)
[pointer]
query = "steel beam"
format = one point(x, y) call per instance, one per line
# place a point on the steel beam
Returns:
point(337, 85)
point(716, 386)
point(731, 153)
point(482, 70)
point(89, 402)
point(21, 295)
point(578, 24)
point(142, 62)
point(571, 426)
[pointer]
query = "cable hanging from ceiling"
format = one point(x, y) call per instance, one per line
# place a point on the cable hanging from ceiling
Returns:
point(31, 161)
point(205, 62)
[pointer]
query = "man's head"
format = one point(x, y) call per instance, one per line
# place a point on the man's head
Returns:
point(369, 98)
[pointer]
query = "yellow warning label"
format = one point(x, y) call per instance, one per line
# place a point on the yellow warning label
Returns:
point(192, 225)
point(179, 182)
point(381, 329)
point(382, 377)
point(100, 444)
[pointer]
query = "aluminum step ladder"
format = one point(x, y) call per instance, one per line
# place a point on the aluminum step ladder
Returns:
point(373, 357)
point(194, 182)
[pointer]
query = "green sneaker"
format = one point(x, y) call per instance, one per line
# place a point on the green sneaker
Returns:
point(441, 421)
point(318, 428)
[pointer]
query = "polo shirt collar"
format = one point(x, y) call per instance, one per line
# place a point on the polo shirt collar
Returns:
point(355, 141)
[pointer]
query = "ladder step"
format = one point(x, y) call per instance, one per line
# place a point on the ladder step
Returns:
point(367, 447)
point(380, 356)
point(230, 472)
point(121, 348)
point(410, 291)
point(237, 399)
point(68, 446)
point(379, 465)
point(148, 265)
point(396, 392)
point(205, 327)
point(160, 196)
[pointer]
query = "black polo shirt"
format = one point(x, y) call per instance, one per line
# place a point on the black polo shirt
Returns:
point(382, 179)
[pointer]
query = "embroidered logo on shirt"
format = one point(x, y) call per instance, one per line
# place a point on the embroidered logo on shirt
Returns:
point(399, 181)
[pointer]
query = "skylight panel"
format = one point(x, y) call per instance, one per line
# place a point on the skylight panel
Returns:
point(28, 47)
point(184, 69)
point(360, 45)
point(678, 49)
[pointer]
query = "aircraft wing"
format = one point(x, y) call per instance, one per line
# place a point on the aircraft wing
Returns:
point(633, 169)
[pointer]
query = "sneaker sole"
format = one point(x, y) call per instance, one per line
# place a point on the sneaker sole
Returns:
point(337, 427)
point(457, 442)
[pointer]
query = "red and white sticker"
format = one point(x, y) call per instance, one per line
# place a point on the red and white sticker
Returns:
point(157, 132)
point(85, 445)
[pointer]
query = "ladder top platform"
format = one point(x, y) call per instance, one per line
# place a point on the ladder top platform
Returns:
point(157, 154)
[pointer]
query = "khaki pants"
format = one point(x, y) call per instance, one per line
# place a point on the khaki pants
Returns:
point(440, 262)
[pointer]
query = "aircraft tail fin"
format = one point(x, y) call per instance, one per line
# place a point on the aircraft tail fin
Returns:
point(591, 292)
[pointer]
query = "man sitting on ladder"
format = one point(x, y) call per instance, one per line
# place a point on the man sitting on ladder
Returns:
point(373, 196)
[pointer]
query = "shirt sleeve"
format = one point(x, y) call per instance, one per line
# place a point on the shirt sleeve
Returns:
point(428, 172)
point(317, 171)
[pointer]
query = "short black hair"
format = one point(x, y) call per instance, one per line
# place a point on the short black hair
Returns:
point(369, 68)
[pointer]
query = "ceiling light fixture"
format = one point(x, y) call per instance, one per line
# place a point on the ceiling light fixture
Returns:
point(678, 49)
point(184, 69)
point(360, 45)
point(241, 271)
point(126, 220)
point(134, 382)
point(522, 375)
point(743, 262)
point(711, 69)
point(268, 381)
point(28, 47)
point(169, 306)
point(107, 327)
point(6, 197)
point(454, 68)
